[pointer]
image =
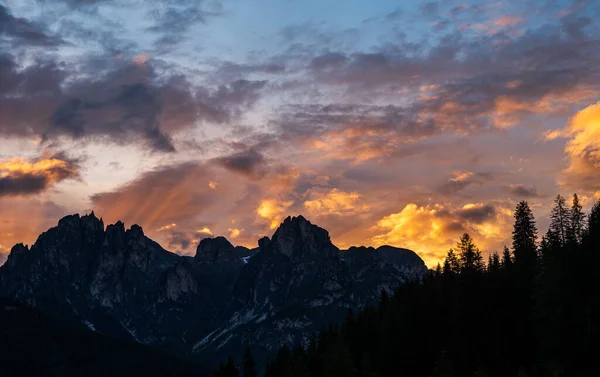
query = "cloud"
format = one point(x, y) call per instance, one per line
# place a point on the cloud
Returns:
point(20, 32)
point(583, 151)
point(249, 163)
point(522, 191)
point(273, 211)
point(173, 20)
point(23, 218)
point(179, 241)
point(462, 180)
point(126, 103)
point(432, 229)
point(335, 202)
point(162, 196)
point(166, 227)
point(20, 177)
point(496, 82)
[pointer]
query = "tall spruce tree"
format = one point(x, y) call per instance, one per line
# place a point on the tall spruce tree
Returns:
point(560, 220)
point(577, 221)
point(524, 238)
point(593, 228)
point(469, 256)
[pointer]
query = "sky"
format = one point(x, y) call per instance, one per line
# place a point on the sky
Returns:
point(404, 123)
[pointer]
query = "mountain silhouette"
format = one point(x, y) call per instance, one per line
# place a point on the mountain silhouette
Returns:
point(120, 283)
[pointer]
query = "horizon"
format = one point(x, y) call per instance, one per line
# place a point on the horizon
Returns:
point(402, 124)
point(213, 236)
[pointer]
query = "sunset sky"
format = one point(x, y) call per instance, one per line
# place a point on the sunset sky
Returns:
point(400, 123)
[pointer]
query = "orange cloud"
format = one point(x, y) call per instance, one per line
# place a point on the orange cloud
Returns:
point(205, 230)
point(140, 59)
point(509, 21)
point(582, 150)
point(335, 202)
point(21, 177)
point(273, 211)
point(235, 233)
point(166, 227)
point(432, 229)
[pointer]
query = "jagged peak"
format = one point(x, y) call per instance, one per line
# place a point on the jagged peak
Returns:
point(264, 242)
point(119, 226)
point(135, 231)
point(295, 232)
point(214, 249)
point(69, 221)
point(299, 223)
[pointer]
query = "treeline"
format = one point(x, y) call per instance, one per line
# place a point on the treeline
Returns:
point(533, 310)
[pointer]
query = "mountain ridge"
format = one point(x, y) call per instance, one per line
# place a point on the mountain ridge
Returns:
point(122, 283)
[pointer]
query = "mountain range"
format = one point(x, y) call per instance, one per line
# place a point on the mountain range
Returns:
point(120, 283)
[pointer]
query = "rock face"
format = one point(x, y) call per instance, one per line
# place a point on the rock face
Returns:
point(121, 283)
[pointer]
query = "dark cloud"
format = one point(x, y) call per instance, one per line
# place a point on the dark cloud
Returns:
point(172, 20)
point(467, 86)
point(21, 178)
point(250, 163)
point(477, 214)
point(522, 191)
point(124, 104)
point(230, 71)
point(179, 241)
point(22, 32)
point(459, 183)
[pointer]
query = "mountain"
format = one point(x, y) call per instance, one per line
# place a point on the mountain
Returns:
point(121, 283)
point(34, 344)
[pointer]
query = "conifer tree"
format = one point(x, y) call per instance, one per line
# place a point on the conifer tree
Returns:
point(506, 258)
point(227, 369)
point(451, 264)
point(594, 219)
point(524, 232)
point(560, 220)
point(494, 262)
point(577, 221)
point(469, 256)
point(249, 367)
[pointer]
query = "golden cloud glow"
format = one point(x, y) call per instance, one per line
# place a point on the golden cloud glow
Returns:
point(213, 185)
point(166, 227)
point(335, 202)
point(432, 229)
point(583, 150)
point(460, 177)
point(205, 230)
point(234, 232)
point(273, 211)
point(53, 168)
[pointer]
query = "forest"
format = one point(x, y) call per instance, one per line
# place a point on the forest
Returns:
point(531, 311)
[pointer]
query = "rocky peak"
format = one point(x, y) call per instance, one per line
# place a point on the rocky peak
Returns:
point(264, 243)
point(134, 236)
point(92, 222)
point(70, 222)
point(15, 253)
point(296, 237)
point(214, 250)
